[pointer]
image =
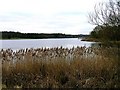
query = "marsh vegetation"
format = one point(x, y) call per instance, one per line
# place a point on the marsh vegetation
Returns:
point(80, 67)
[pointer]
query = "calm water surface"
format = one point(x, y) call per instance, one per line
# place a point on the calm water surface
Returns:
point(38, 43)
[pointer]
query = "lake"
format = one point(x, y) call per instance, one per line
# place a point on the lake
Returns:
point(39, 43)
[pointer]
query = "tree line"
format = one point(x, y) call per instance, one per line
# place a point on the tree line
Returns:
point(18, 35)
point(106, 17)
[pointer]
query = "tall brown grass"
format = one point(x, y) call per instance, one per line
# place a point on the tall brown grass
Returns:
point(99, 71)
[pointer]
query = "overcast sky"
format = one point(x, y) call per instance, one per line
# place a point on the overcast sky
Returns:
point(46, 16)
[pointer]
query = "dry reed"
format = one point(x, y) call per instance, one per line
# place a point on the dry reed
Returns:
point(99, 70)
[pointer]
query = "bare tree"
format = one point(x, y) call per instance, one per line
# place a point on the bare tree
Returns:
point(107, 14)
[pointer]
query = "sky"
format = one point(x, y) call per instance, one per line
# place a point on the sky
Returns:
point(46, 16)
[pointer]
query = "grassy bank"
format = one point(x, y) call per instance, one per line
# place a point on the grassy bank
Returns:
point(91, 39)
point(99, 40)
point(85, 70)
point(104, 43)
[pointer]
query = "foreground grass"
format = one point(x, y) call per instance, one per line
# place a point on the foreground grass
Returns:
point(99, 71)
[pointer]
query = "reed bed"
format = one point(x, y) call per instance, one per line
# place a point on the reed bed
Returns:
point(79, 67)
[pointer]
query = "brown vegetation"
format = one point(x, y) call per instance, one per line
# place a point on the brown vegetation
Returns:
point(79, 67)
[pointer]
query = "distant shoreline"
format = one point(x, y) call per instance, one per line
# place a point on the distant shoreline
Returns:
point(34, 39)
point(17, 35)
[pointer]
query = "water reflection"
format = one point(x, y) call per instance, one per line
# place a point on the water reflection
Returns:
point(39, 43)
